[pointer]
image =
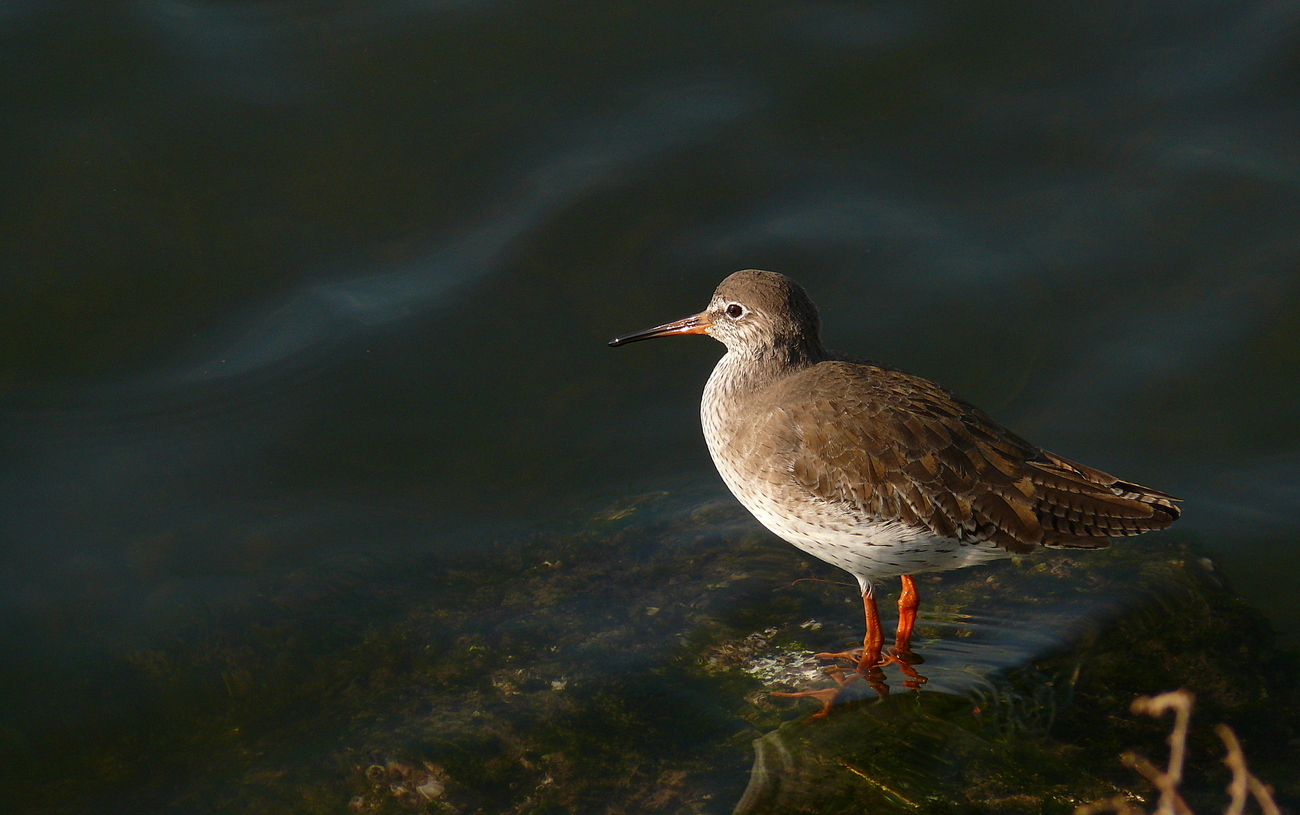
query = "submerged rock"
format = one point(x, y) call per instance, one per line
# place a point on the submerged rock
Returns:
point(624, 664)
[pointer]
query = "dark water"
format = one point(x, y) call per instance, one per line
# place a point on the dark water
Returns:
point(298, 290)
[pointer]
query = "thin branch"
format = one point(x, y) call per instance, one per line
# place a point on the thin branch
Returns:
point(1263, 796)
point(1166, 781)
point(1242, 779)
point(1180, 702)
point(1236, 762)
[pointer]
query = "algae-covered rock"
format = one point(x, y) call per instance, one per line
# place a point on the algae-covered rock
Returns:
point(624, 664)
point(1046, 736)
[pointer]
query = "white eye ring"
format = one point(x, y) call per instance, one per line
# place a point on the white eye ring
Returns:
point(735, 311)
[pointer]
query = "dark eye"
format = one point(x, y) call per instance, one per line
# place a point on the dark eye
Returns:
point(735, 310)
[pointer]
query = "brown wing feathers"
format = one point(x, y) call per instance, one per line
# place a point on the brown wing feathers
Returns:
point(1081, 502)
point(935, 461)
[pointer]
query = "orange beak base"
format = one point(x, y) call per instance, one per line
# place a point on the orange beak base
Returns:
point(695, 324)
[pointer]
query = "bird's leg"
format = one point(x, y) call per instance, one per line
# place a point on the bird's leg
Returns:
point(875, 637)
point(869, 655)
point(908, 601)
point(901, 654)
point(871, 660)
point(907, 604)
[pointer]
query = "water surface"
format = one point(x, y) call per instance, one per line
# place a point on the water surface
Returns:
point(302, 295)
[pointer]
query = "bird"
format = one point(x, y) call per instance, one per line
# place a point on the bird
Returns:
point(876, 471)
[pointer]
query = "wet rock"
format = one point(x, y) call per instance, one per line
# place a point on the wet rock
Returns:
point(527, 675)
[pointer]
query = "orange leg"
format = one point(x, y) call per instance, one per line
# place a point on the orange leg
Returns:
point(871, 643)
point(875, 637)
point(871, 660)
point(907, 604)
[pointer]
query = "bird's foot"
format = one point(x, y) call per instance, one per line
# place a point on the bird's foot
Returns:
point(866, 663)
point(905, 660)
point(826, 696)
point(852, 654)
point(865, 658)
point(903, 655)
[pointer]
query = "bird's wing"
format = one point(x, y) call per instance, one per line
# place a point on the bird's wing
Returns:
point(901, 448)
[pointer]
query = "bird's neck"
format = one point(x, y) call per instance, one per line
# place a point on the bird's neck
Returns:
point(740, 374)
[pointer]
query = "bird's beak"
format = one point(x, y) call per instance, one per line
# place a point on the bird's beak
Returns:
point(695, 324)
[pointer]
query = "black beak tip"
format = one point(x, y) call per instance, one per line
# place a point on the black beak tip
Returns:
point(616, 342)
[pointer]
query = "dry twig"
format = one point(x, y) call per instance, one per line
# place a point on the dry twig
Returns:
point(1166, 781)
point(1242, 779)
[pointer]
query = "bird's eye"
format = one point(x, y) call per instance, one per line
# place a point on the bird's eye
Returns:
point(735, 310)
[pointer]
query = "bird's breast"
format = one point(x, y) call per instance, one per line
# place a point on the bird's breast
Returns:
point(749, 448)
point(744, 438)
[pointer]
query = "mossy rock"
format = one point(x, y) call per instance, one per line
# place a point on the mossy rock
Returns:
point(623, 663)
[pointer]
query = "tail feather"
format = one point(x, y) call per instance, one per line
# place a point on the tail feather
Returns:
point(1083, 507)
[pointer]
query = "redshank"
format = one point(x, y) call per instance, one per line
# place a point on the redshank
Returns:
point(876, 471)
